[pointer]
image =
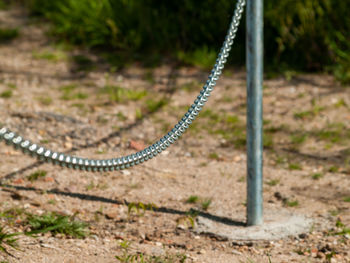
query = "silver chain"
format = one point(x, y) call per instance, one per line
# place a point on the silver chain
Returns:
point(148, 153)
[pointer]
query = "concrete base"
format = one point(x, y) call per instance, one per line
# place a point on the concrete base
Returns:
point(277, 225)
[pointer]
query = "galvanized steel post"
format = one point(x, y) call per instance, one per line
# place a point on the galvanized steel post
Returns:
point(254, 49)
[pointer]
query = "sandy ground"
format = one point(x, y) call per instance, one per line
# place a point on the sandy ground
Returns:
point(306, 160)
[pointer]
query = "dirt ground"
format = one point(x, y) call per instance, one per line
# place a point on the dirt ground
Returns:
point(71, 100)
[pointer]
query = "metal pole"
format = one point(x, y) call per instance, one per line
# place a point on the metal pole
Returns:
point(254, 47)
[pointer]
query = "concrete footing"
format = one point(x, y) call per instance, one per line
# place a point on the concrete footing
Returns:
point(277, 225)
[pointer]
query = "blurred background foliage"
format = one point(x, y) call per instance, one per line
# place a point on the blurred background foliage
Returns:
point(301, 35)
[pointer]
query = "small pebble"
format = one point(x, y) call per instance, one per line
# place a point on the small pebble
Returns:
point(126, 172)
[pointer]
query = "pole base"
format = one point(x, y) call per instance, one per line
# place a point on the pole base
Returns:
point(277, 225)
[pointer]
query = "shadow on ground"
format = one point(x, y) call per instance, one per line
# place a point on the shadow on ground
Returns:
point(94, 198)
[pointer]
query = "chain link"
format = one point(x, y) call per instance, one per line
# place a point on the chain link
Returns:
point(148, 153)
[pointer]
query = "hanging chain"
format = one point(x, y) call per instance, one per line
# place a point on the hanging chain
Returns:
point(148, 153)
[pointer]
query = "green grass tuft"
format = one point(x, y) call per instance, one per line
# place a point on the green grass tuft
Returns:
point(192, 199)
point(138, 114)
point(154, 105)
point(298, 138)
point(6, 94)
point(140, 208)
point(200, 57)
point(7, 240)
point(315, 111)
point(317, 176)
point(343, 229)
point(11, 86)
point(291, 203)
point(45, 100)
point(127, 256)
point(55, 223)
point(119, 94)
point(273, 182)
point(3, 5)
point(121, 116)
point(205, 204)
point(12, 213)
point(53, 56)
point(214, 156)
point(36, 175)
point(8, 34)
point(268, 140)
point(191, 86)
point(294, 166)
point(333, 169)
point(341, 103)
point(69, 94)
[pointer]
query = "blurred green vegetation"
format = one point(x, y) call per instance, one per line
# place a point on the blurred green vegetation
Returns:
point(8, 34)
point(303, 35)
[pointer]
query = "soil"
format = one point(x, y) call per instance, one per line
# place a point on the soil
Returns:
point(64, 105)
